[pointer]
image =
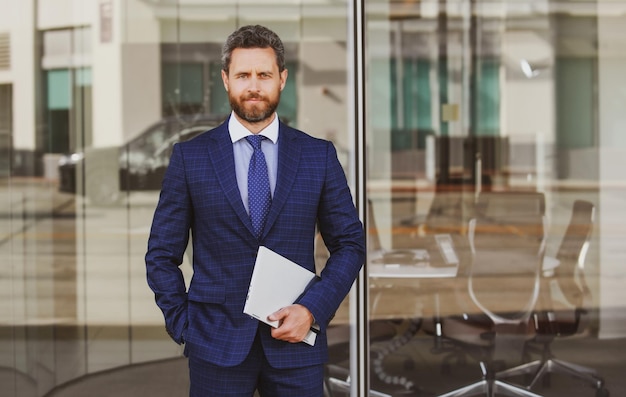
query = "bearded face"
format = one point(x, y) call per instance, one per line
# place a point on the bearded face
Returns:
point(254, 107)
point(254, 84)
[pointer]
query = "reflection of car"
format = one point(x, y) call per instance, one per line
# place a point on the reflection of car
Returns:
point(102, 174)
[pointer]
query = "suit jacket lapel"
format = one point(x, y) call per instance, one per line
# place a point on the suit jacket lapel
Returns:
point(288, 159)
point(223, 159)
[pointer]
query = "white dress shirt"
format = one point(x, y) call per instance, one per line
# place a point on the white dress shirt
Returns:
point(243, 152)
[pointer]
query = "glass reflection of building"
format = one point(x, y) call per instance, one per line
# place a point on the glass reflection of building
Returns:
point(444, 99)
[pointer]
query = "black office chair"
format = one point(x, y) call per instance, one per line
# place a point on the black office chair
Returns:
point(506, 237)
point(564, 318)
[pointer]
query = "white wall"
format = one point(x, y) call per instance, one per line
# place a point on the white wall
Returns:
point(20, 22)
point(528, 102)
point(140, 88)
point(612, 208)
point(107, 80)
point(322, 89)
point(63, 13)
point(140, 84)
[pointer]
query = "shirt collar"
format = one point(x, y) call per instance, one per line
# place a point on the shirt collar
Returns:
point(238, 131)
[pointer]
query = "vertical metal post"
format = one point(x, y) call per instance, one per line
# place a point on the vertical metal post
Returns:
point(478, 175)
point(359, 330)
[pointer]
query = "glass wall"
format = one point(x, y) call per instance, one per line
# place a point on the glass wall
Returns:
point(106, 87)
point(491, 204)
point(488, 173)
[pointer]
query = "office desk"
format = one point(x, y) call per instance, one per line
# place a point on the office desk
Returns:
point(395, 278)
point(414, 271)
point(400, 279)
point(438, 259)
point(393, 272)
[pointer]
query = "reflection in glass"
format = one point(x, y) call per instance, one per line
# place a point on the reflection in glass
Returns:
point(467, 99)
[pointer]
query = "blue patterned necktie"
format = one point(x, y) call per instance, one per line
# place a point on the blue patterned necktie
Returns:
point(259, 196)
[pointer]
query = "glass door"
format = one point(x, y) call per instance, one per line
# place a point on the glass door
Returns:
point(471, 114)
point(419, 174)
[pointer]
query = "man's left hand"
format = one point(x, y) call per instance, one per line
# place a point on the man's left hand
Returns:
point(295, 321)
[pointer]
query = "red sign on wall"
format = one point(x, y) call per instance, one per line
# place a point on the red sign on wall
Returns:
point(106, 21)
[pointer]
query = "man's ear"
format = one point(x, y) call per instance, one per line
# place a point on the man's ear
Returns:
point(283, 78)
point(225, 79)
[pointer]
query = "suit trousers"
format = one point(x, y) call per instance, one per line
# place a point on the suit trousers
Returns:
point(254, 374)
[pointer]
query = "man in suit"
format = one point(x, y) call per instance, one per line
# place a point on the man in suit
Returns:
point(205, 192)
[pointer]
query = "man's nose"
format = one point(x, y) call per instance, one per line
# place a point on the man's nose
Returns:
point(253, 84)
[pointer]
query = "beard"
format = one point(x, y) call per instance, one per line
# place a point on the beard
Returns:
point(254, 113)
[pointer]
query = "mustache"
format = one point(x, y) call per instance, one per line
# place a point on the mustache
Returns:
point(253, 96)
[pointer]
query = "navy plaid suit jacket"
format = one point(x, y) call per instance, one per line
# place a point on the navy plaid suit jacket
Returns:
point(200, 194)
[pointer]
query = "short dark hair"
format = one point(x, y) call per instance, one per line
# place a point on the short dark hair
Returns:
point(253, 36)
